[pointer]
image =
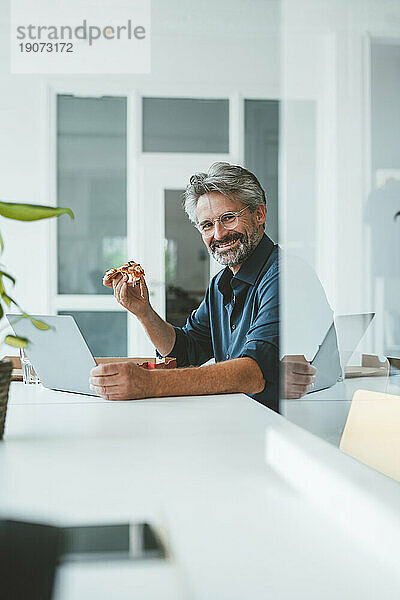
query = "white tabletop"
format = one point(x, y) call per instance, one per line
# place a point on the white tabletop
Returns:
point(236, 525)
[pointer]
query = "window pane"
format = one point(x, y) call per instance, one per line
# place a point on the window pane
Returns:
point(185, 125)
point(261, 153)
point(104, 331)
point(91, 171)
point(187, 264)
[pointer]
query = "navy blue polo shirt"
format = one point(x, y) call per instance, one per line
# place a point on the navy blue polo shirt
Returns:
point(239, 316)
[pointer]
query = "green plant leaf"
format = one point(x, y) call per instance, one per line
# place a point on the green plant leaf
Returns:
point(39, 324)
point(10, 277)
point(31, 212)
point(1, 243)
point(19, 317)
point(6, 298)
point(17, 342)
point(1, 312)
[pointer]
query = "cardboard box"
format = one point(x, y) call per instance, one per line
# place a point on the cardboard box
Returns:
point(146, 363)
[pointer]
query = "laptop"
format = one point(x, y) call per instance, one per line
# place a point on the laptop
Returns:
point(59, 355)
point(328, 361)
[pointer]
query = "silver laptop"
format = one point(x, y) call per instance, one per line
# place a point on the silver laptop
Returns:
point(59, 355)
point(328, 361)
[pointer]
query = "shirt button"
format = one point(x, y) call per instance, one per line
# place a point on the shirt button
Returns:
point(233, 327)
point(227, 357)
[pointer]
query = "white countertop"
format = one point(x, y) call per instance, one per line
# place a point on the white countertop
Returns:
point(238, 525)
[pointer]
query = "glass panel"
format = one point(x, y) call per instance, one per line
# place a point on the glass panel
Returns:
point(340, 222)
point(261, 135)
point(383, 206)
point(185, 125)
point(187, 264)
point(104, 331)
point(91, 179)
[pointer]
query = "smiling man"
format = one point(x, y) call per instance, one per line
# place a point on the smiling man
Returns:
point(237, 323)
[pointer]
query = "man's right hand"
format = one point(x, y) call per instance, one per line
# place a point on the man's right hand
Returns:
point(128, 295)
point(298, 376)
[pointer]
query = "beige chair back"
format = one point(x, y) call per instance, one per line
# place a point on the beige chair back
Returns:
point(372, 431)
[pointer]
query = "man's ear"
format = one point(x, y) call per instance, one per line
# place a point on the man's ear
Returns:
point(261, 214)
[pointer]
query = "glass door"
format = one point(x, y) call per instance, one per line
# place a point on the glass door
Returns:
point(169, 247)
point(92, 180)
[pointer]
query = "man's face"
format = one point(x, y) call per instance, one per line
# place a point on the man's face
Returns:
point(230, 247)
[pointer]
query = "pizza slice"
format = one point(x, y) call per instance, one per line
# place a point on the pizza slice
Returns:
point(133, 270)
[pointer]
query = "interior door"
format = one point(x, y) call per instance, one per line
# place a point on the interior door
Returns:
point(170, 249)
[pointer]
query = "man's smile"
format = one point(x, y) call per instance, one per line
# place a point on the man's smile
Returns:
point(229, 242)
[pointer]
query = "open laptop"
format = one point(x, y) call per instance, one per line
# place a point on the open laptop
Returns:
point(59, 355)
point(328, 361)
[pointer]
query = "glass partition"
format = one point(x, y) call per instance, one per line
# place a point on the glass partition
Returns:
point(340, 213)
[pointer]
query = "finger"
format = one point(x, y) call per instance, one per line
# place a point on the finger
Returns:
point(105, 369)
point(117, 397)
point(104, 380)
point(116, 279)
point(110, 393)
point(297, 389)
point(124, 291)
point(100, 390)
point(144, 287)
point(297, 378)
point(108, 281)
point(294, 396)
point(120, 291)
point(302, 368)
point(118, 285)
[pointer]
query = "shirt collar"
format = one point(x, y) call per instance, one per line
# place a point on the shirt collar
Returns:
point(250, 269)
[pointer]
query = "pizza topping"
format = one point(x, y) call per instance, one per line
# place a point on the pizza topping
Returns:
point(132, 269)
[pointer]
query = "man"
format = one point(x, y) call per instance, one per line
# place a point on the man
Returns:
point(237, 323)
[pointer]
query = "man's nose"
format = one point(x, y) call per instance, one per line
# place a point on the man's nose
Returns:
point(219, 231)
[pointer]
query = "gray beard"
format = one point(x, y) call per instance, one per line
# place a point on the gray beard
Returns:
point(236, 256)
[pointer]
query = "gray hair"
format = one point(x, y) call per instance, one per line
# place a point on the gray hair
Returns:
point(230, 180)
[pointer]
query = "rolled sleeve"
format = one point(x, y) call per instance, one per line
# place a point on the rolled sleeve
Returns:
point(266, 356)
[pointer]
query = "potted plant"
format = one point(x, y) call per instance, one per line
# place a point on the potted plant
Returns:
point(18, 212)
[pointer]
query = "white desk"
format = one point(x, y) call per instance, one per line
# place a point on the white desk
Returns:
point(195, 467)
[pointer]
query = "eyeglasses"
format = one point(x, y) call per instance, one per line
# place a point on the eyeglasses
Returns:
point(228, 220)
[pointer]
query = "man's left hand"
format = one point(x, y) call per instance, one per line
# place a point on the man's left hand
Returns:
point(122, 381)
point(298, 376)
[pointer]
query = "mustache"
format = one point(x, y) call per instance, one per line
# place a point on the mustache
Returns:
point(232, 237)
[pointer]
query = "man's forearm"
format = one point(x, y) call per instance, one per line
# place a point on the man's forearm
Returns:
point(161, 333)
point(233, 376)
